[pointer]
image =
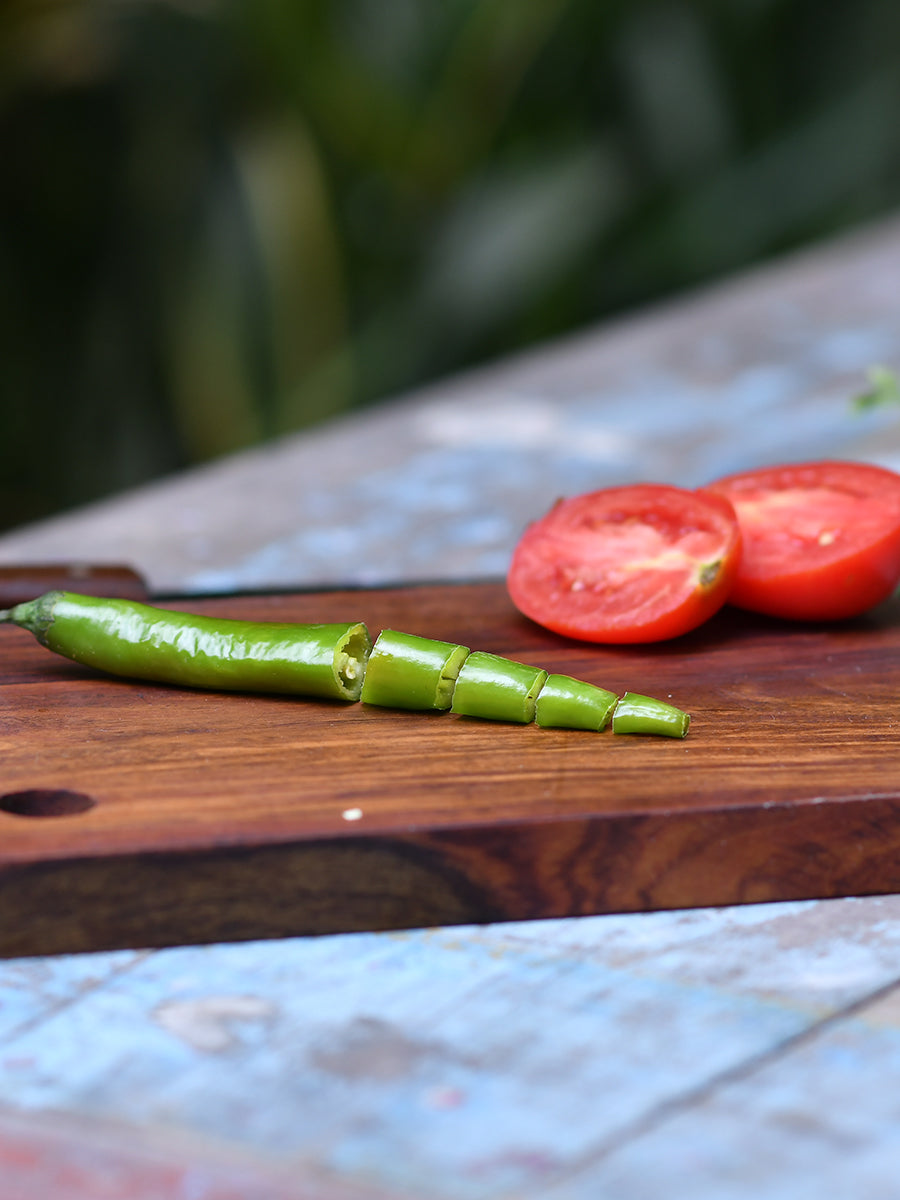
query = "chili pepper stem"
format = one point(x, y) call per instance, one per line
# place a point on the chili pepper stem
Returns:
point(34, 615)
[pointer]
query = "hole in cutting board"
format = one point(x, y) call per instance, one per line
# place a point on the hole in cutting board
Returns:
point(45, 802)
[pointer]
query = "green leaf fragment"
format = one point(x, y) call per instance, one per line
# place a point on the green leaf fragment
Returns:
point(884, 388)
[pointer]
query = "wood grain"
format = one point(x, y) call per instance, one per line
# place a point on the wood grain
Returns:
point(210, 816)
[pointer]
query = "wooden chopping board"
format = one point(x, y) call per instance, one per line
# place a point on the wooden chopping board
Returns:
point(134, 814)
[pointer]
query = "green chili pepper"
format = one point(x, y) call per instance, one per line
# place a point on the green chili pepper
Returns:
point(334, 661)
point(406, 671)
point(643, 714)
point(567, 703)
point(126, 638)
point(497, 688)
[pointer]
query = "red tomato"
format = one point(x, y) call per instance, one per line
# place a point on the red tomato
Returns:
point(627, 564)
point(821, 540)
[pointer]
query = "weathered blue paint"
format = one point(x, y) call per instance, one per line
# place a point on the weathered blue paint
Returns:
point(33, 989)
point(477, 1062)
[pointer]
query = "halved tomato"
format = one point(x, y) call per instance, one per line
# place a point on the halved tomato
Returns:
point(821, 540)
point(627, 564)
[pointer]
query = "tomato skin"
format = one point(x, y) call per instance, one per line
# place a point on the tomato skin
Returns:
point(641, 563)
point(821, 541)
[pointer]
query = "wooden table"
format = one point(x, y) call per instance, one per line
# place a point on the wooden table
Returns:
point(718, 1053)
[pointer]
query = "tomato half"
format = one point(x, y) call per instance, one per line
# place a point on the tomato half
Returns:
point(627, 564)
point(821, 540)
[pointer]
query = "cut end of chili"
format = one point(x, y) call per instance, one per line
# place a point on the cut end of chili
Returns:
point(351, 656)
point(644, 714)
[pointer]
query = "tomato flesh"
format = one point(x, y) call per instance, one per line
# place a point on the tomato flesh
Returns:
point(821, 541)
point(628, 564)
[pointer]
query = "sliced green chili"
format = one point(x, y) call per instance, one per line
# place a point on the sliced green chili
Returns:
point(567, 703)
point(497, 688)
point(125, 638)
point(335, 661)
point(643, 714)
point(406, 671)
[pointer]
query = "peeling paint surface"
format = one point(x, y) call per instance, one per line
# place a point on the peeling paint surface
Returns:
point(549, 1058)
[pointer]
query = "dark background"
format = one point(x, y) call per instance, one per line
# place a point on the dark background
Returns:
point(222, 221)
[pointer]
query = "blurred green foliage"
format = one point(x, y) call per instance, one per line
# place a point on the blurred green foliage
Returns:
point(220, 221)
